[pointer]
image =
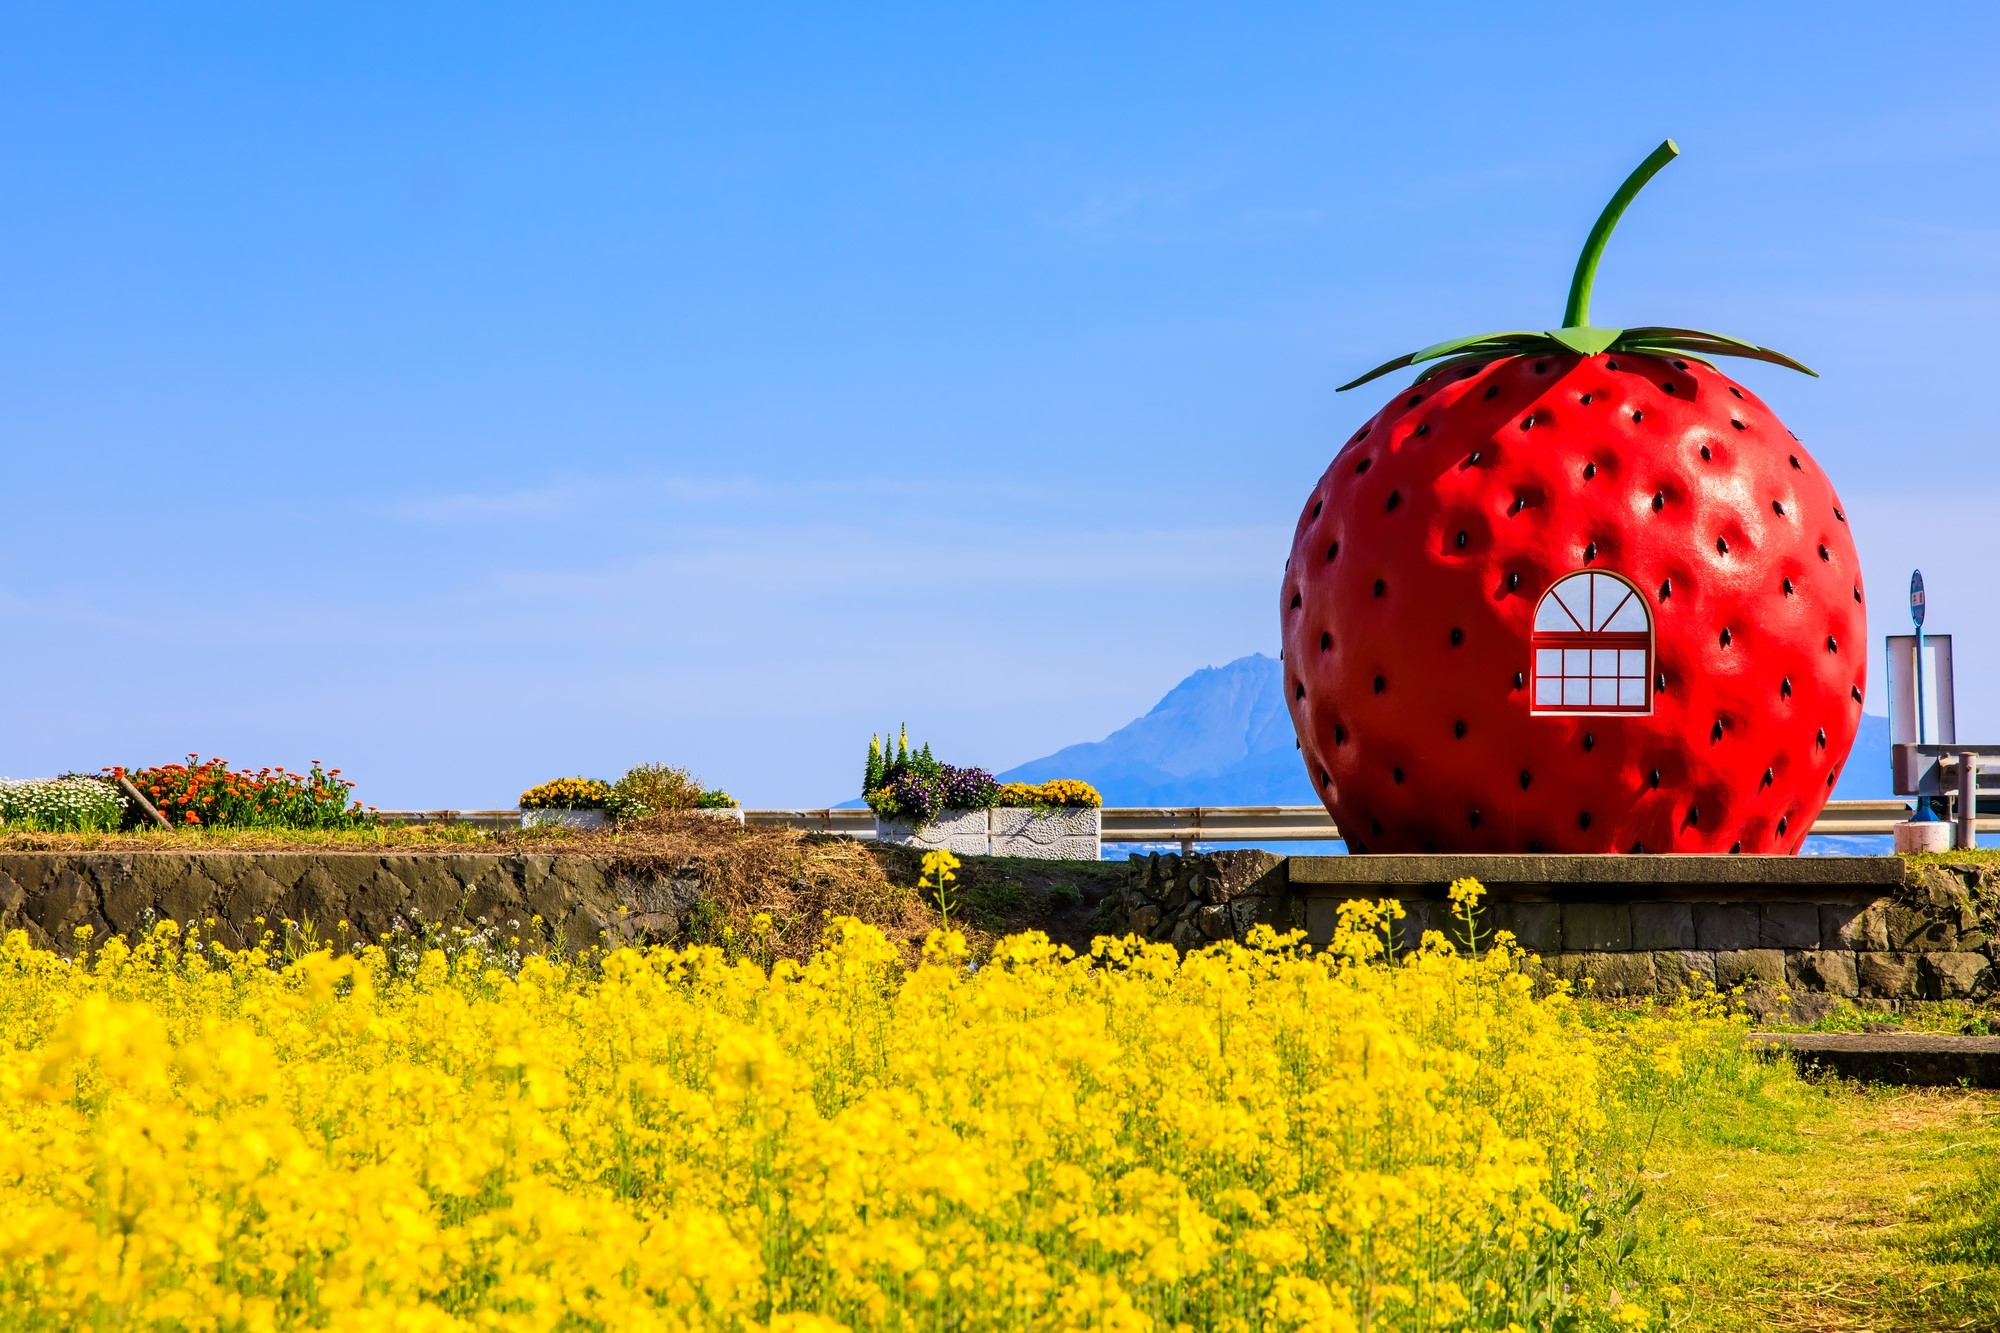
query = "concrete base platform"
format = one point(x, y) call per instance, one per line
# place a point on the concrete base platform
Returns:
point(1912, 1058)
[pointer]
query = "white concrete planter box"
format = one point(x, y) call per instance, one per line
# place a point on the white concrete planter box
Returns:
point(566, 818)
point(960, 832)
point(1055, 835)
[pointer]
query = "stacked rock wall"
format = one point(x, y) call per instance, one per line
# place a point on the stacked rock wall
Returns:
point(1887, 932)
point(578, 899)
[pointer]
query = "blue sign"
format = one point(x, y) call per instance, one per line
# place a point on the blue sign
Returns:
point(1917, 597)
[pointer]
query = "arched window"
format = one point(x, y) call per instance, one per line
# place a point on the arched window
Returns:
point(1593, 647)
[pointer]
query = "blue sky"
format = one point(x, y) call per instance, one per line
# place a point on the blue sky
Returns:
point(472, 395)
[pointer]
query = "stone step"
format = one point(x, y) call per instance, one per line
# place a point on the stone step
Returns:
point(1917, 1059)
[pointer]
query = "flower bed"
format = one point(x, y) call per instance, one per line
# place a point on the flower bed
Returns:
point(61, 805)
point(921, 802)
point(1251, 1139)
point(213, 795)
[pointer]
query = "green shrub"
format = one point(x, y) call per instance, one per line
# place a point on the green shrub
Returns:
point(658, 789)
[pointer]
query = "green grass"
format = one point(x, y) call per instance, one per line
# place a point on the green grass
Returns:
point(1772, 1202)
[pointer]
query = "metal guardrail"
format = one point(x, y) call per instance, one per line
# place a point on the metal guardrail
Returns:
point(1182, 824)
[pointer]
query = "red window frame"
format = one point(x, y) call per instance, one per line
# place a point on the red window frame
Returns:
point(1619, 641)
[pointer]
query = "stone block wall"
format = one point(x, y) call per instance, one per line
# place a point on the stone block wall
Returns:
point(578, 899)
point(1930, 933)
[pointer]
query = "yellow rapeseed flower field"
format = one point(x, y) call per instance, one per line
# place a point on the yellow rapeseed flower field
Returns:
point(1250, 1138)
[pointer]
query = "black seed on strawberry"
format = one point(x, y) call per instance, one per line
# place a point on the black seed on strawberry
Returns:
point(1424, 429)
point(1324, 779)
point(1528, 421)
point(1638, 416)
point(1855, 690)
point(1659, 501)
point(1583, 820)
point(1526, 778)
point(1362, 466)
point(1715, 733)
point(1857, 592)
point(1380, 587)
point(1611, 365)
point(1770, 776)
point(1375, 827)
point(1837, 514)
point(1473, 818)
point(1796, 464)
point(1325, 640)
point(1589, 741)
point(1520, 679)
point(1395, 498)
point(1397, 774)
point(1666, 589)
point(1458, 730)
point(1739, 425)
point(1638, 848)
point(1362, 434)
point(1680, 365)
point(1295, 601)
point(1694, 816)
point(1725, 636)
point(1777, 509)
point(1457, 636)
point(1705, 454)
point(1653, 778)
point(1783, 820)
point(1317, 504)
point(1823, 552)
point(1735, 847)
point(1513, 582)
point(1820, 740)
point(1722, 545)
point(1590, 553)
point(1788, 586)
point(1519, 505)
point(1339, 735)
point(1301, 690)
point(1333, 550)
point(1785, 688)
point(1492, 391)
point(1589, 471)
point(1585, 400)
point(1380, 684)
point(1831, 645)
point(1738, 392)
point(1415, 398)
point(1660, 683)
point(1473, 461)
point(1463, 537)
point(1668, 386)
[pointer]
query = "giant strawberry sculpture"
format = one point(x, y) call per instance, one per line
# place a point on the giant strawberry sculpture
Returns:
point(1575, 591)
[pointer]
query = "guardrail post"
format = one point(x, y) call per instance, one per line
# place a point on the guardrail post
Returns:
point(1968, 800)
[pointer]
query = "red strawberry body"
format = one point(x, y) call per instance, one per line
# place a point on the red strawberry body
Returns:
point(1410, 601)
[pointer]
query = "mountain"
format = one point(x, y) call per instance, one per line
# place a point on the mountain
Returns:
point(1223, 737)
point(1220, 737)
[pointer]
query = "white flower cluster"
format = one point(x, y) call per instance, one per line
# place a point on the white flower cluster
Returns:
point(61, 805)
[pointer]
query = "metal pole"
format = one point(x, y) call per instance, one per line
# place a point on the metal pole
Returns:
point(1920, 682)
point(1968, 800)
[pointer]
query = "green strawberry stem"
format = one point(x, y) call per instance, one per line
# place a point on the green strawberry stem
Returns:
point(1576, 314)
point(1576, 334)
